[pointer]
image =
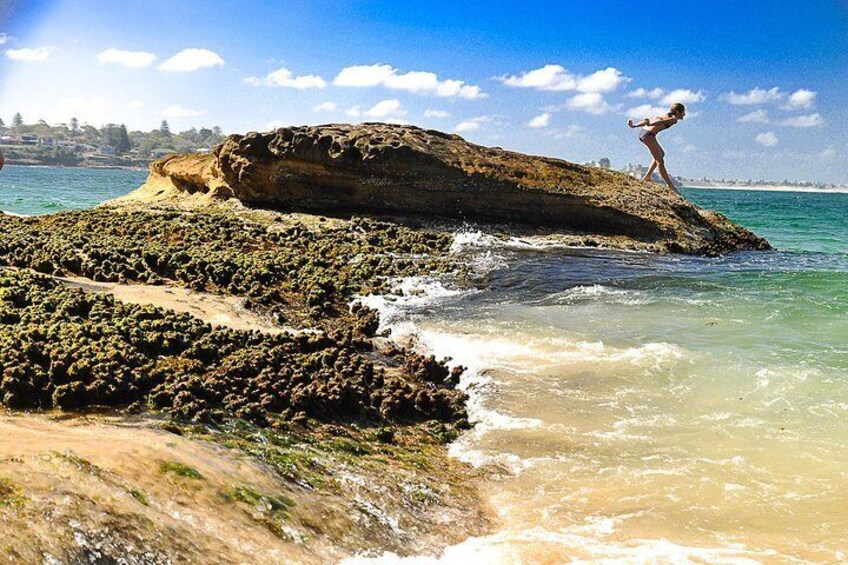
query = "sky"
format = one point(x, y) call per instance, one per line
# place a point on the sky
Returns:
point(763, 81)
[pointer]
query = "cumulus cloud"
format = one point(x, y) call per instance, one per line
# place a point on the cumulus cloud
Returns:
point(558, 78)
point(646, 111)
point(807, 121)
point(757, 117)
point(391, 108)
point(768, 138)
point(3, 38)
point(189, 60)
point(131, 59)
point(540, 121)
point(684, 96)
point(590, 102)
point(30, 53)
point(802, 98)
point(325, 107)
point(441, 114)
point(177, 111)
point(419, 82)
point(473, 123)
point(353, 112)
point(283, 78)
point(753, 96)
point(654, 94)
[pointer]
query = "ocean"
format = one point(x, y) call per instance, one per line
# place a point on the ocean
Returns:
point(634, 408)
point(631, 408)
point(43, 190)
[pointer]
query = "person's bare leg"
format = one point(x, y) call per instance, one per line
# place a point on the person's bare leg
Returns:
point(666, 178)
point(649, 175)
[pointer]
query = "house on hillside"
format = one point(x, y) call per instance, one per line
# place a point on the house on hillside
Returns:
point(160, 152)
point(29, 139)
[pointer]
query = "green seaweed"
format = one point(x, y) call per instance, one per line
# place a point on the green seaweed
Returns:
point(180, 470)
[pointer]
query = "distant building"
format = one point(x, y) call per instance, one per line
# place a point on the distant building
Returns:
point(160, 152)
point(107, 150)
point(29, 139)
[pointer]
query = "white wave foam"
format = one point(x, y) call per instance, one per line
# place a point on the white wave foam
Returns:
point(597, 291)
point(583, 543)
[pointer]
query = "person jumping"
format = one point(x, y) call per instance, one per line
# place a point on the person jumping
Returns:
point(648, 136)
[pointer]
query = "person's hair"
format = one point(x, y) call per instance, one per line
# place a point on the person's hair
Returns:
point(677, 108)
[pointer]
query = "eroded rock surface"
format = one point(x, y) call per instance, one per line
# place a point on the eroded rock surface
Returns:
point(383, 168)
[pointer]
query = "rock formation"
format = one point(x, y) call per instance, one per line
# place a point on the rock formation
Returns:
point(394, 169)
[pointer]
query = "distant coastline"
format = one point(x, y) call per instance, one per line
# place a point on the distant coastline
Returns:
point(771, 188)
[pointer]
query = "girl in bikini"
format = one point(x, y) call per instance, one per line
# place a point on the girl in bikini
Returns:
point(649, 138)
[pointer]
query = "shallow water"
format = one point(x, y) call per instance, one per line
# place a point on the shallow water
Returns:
point(644, 409)
point(44, 190)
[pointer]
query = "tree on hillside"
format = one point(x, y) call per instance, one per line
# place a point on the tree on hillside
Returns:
point(17, 121)
point(2, 125)
point(74, 125)
point(117, 137)
point(165, 129)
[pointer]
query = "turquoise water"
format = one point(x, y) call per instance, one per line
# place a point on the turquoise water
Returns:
point(634, 408)
point(44, 190)
point(795, 221)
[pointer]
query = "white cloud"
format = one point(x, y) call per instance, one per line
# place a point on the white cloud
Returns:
point(828, 154)
point(646, 111)
point(135, 104)
point(30, 54)
point(419, 82)
point(558, 78)
point(132, 59)
point(802, 98)
point(283, 78)
point(767, 138)
point(353, 112)
point(757, 116)
point(684, 96)
point(540, 121)
point(436, 114)
point(473, 123)
point(391, 108)
point(606, 80)
point(591, 102)
point(189, 60)
point(3, 38)
point(364, 75)
point(654, 94)
point(571, 131)
point(807, 121)
point(177, 111)
point(753, 96)
point(325, 107)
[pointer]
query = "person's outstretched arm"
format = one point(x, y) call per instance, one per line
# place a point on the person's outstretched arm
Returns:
point(645, 122)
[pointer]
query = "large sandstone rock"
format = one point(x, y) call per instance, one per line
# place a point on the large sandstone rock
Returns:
point(383, 168)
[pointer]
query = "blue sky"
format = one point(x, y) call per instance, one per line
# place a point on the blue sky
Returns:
point(764, 81)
